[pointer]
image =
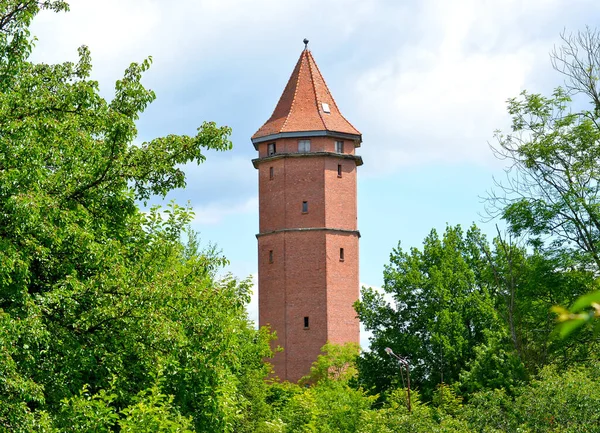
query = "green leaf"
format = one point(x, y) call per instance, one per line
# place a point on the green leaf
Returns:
point(585, 301)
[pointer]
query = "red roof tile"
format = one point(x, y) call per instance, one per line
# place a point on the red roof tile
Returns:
point(300, 107)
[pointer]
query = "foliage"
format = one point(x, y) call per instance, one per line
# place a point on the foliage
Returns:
point(493, 367)
point(554, 402)
point(442, 311)
point(337, 362)
point(551, 194)
point(394, 417)
point(325, 402)
point(491, 411)
point(584, 310)
point(97, 297)
point(551, 191)
point(561, 401)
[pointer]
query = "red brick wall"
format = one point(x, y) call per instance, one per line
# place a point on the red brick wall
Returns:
point(342, 288)
point(306, 278)
point(340, 194)
point(317, 144)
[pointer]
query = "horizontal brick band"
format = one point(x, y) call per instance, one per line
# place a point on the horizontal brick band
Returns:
point(307, 134)
point(276, 156)
point(311, 229)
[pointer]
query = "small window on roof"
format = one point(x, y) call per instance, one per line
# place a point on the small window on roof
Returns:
point(339, 147)
point(325, 107)
point(271, 149)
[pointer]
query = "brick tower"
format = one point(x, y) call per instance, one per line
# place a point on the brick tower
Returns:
point(308, 237)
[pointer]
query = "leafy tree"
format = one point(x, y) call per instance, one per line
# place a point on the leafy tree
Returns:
point(326, 402)
point(97, 297)
point(584, 310)
point(336, 362)
point(553, 402)
point(442, 310)
point(526, 285)
point(394, 417)
point(551, 192)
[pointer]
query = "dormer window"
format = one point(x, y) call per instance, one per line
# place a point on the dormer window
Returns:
point(303, 146)
point(271, 149)
point(339, 147)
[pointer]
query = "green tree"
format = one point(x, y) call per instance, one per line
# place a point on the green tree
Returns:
point(556, 401)
point(326, 401)
point(336, 362)
point(97, 297)
point(441, 311)
point(526, 285)
point(551, 191)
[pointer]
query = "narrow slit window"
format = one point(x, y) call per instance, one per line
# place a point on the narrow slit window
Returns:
point(306, 322)
point(339, 170)
point(271, 149)
point(271, 173)
point(303, 146)
point(304, 207)
point(341, 254)
point(270, 256)
point(339, 147)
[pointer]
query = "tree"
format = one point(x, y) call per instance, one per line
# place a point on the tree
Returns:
point(97, 298)
point(324, 401)
point(551, 192)
point(526, 285)
point(336, 362)
point(442, 310)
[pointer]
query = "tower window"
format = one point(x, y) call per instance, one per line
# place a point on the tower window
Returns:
point(270, 256)
point(303, 146)
point(306, 322)
point(339, 147)
point(271, 149)
point(271, 173)
point(304, 207)
point(341, 254)
point(339, 170)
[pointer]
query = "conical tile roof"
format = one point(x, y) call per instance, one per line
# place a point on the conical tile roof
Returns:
point(304, 104)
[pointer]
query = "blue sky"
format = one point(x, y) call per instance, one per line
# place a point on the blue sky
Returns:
point(424, 81)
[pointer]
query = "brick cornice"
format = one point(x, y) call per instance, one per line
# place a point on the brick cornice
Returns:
point(357, 139)
point(310, 229)
point(357, 159)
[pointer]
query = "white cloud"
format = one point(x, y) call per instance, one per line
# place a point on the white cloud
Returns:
point(441, 98)
point(424, 81)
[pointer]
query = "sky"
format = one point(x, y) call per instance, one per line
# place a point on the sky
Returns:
point(425, 81)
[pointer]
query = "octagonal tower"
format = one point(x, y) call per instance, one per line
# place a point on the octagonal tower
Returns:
point(308, 235)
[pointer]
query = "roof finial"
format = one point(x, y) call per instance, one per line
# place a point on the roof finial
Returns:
point(305, 43)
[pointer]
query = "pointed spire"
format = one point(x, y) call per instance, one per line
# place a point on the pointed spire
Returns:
point(306, 105)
